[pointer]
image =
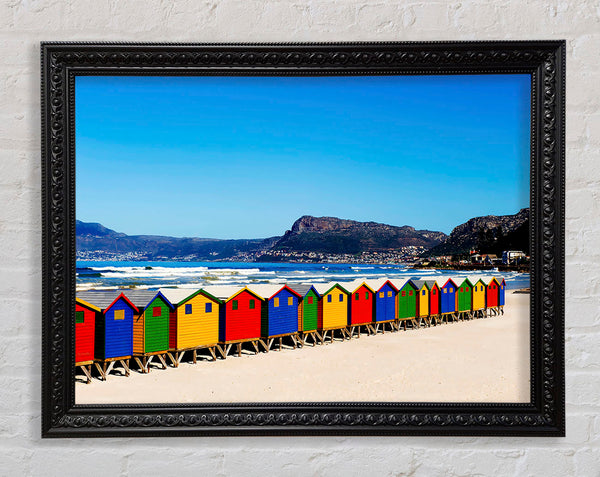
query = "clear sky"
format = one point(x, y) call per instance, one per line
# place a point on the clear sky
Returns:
point(244, 157)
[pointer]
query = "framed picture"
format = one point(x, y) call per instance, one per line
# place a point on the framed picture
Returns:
point(352, 238)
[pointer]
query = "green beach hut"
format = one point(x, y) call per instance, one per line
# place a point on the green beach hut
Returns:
point(407, 300)
point(464, 296)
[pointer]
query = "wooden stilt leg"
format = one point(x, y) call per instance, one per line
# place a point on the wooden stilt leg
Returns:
point(87, 373)
point(101, 371)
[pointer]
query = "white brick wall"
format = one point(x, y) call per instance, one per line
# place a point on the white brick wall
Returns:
point(24, 23)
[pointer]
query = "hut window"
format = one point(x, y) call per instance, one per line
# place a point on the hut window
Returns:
point(403, 293)
point(466, 288)
point(461, 289)
point(156, 311)
point(433, 292)
point(276, 302)
point(207, 307)
point(381, 294)
point(119, 314)
point(341, 297)
point(329, 298)
point(445, 291)
point(366, 295)
point(389, 293)
point(252, 304)
point(410, 293)
point(310, 298)
point(234, 305)
point(423, 293)
point(356, 295)
point(451, 289)
point(188, 309)
point(79, 316)
point(290, 301)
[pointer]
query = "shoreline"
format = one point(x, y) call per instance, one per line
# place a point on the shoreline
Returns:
point(482, 360)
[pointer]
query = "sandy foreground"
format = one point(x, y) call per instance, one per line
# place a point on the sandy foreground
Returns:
point(483, 360)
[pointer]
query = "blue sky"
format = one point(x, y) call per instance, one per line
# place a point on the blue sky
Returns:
point(244, 157)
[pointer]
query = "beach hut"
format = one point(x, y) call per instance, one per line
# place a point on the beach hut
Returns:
point(501, 295)
point(407, 302)
point(464, 298)
point(113, 334)
point(448, 298)
point(308, 313)
point(194, 323)
point(492, 286)
point(422, 301)
point(435, 297)
point(279, 316)
point(240, 320)
point(85, 323)
point(385, 303)
point(362, 307)
point(333, 310)
point(478, 299)
point(151, 327)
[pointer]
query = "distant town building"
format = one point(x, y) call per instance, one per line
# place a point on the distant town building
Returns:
point(484, 258)
point(512, 256)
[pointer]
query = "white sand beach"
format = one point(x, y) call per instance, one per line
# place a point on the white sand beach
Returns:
point(483, 360)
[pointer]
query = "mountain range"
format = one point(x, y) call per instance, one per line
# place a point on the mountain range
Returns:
point(327, 235)
point(488, 234)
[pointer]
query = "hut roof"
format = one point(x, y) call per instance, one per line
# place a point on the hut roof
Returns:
point(356, 284)
point(178, 296)
point(101, 298)
point(488, 280)
point(476, 278)
point(303, 289)
point(324, 288)
point(442, 281)
point(378, 283)
point(420, 283)
point(460, 280)
point(86, 304)
point(142, 298)
point(227, 292)
point(270, 290)
point(400, 283)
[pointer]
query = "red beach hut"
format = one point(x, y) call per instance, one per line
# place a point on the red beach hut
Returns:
point(434, 300)
point(85, 323)
point(362, 306)
point(240, 320)
point(492, 292)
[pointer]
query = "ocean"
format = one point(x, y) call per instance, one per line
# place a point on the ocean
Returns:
point(107, 275)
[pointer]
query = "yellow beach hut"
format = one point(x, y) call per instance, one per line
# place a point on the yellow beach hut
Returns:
point(422, 302)
point(478, 298)
point(194, 323)
point(333, 309)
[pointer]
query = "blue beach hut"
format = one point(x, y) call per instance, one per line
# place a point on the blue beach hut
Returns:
point(385, 300)
point(501, 294)
point(279, 314)
point(448, 292)
point(114, 329)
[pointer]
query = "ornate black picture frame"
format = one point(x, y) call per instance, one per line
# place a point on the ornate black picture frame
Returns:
point(543, 416)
